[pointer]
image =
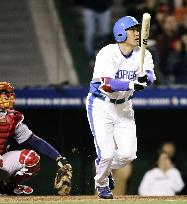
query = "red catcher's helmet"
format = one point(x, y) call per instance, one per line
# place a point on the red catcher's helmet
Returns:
point(7, 95)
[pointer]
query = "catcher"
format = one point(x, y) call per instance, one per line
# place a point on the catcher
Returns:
point(20, 165)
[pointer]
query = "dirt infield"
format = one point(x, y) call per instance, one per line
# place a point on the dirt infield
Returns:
point(86, 198)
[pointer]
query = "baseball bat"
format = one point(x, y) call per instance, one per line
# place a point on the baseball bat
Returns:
point(144, 37)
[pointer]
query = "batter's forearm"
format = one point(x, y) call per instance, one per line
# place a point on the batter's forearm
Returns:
point(110, 85)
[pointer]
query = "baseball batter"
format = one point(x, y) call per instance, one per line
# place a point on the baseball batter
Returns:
point(109, 106)
point(19, 166)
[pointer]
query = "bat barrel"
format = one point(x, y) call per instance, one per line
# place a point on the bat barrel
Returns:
point(144, 37)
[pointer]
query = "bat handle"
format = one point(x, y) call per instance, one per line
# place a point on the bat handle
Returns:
point(141, 69)
point(141, 65)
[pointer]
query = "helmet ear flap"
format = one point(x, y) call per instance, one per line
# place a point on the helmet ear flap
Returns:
point(122, 37)
point(120, 34)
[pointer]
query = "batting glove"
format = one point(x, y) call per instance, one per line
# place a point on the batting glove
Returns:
point(137, 86)
point(142, 78)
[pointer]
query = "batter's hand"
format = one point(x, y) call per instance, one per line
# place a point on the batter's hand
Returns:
point(142, 78)
point(137, 86)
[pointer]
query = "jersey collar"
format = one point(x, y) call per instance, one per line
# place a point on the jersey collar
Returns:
point(127, 55)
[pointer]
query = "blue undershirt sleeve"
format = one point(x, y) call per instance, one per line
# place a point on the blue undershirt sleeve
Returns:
point(117, 85)
point(42, 147)
point(150, 76)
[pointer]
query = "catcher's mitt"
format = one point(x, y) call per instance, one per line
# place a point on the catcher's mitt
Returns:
point(62, 183)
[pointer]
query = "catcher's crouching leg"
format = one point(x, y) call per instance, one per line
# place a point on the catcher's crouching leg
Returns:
point(31, 166)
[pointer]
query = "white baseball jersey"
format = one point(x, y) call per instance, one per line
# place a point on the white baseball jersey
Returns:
point(110, 62)
point(158, 183)
point(110, 114)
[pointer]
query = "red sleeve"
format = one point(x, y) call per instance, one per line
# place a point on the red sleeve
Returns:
point(105, 84)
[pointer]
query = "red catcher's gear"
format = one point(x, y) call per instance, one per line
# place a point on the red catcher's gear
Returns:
point(24, 174)
point(22, 189)
point(7, 95)
point(8, 124)
point(29, 158)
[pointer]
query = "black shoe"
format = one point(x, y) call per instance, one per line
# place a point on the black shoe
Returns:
point(111, 181)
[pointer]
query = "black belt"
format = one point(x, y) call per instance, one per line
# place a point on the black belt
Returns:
point(115, 101)
point(118, 101)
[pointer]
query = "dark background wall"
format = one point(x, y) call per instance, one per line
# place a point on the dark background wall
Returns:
point(69, 132)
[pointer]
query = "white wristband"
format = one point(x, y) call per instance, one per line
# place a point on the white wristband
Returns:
point(131, 85)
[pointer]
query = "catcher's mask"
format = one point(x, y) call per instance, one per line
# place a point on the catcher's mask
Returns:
point(7, 95)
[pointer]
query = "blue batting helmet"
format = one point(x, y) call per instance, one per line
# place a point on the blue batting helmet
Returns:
point(121, 25)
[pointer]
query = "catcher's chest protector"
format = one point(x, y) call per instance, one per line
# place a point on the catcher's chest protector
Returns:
point(8, 124)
